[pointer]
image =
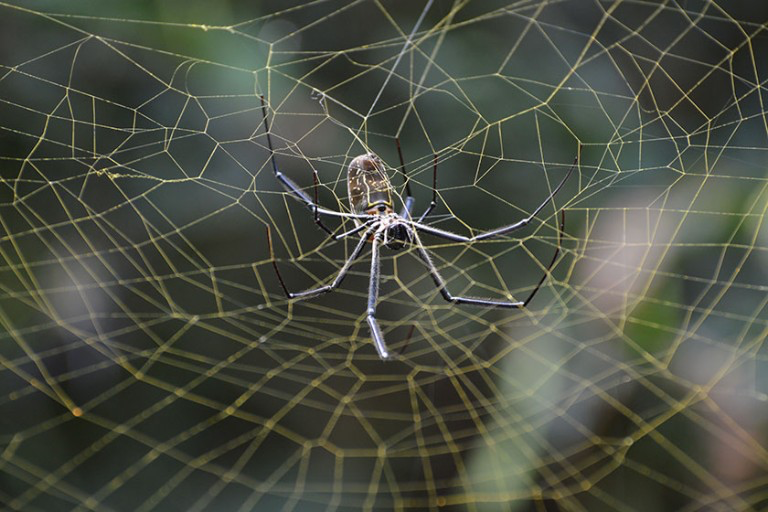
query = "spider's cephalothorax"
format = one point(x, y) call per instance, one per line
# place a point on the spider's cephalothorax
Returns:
point(372, 210)
point(370, 194)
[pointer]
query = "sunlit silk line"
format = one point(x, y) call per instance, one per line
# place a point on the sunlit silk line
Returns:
point(400, 56)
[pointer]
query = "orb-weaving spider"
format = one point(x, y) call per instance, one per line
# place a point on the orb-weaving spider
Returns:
point(370, 200)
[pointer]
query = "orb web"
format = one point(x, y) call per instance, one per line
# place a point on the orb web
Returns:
point(150, 361)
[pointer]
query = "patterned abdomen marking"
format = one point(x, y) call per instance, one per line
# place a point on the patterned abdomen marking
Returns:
point(368, 184)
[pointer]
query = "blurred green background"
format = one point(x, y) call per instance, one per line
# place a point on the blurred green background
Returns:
point(148, 358)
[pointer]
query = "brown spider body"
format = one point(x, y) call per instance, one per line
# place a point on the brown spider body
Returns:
point(370, 193)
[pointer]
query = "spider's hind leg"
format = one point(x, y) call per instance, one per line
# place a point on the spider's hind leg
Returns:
point(313, 292)
point(494, 303)
point(373, 296)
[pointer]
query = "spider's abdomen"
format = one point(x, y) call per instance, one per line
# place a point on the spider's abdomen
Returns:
point(368, 184)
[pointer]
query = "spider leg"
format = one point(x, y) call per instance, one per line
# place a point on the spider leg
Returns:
point(306, 294)
point(443, 289)
point(407, 340)
point(294, 189)
point(442, 233)
point(354, 230)
point(434, 192)
point(373, 296)
point(407, 207)
point(554, 258)
point(409, 200)
point(495, 303)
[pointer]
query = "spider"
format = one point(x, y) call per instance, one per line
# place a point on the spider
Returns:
point(372, 210)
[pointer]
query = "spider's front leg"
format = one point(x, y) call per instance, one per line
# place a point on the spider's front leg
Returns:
point(409, 201)
point(296, 191)
point(288, 183)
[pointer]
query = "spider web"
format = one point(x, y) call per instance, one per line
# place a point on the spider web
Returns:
point(149, 360)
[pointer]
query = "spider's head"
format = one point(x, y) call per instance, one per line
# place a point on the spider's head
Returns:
point(398, 236)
